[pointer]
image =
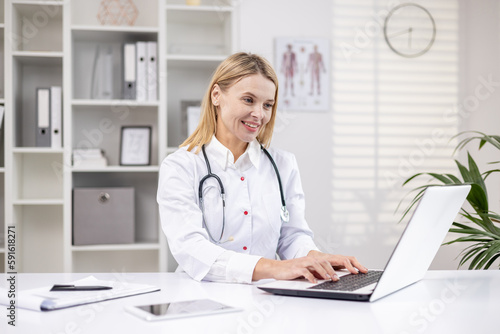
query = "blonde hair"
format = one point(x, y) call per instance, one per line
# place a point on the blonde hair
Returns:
point(232, 69)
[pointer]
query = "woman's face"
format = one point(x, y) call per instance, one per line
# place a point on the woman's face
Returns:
point(243, 109)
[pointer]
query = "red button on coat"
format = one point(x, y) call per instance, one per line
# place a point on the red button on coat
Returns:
point(245, 248)
point(242, 178)
point(245, 213)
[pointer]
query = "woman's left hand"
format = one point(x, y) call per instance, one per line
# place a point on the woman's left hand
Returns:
point(339, 261)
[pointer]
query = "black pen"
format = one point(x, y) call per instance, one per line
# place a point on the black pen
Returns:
point(70, 287)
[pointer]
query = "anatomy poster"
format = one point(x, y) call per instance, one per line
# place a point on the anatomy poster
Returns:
point(302, 65)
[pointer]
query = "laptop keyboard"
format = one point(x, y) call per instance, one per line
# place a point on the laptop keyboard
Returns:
point(350, 282)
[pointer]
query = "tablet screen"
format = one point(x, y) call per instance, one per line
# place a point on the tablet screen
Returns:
point(184, 307)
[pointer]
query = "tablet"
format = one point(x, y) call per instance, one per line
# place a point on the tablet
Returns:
point(180, 309)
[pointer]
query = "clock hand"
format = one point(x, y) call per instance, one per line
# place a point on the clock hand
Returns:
point(410, 30)
point(398, 33)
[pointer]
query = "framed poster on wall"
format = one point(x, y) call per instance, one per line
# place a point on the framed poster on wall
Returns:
point(303, 68)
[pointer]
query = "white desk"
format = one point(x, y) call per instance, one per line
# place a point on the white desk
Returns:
point(445, 302)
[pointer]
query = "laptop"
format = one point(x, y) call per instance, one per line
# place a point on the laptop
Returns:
point(410, 260)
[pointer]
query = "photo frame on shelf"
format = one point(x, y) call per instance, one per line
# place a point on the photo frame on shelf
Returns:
point(135, 146)
point(189, 119)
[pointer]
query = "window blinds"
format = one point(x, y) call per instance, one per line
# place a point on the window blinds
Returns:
point(392, 116)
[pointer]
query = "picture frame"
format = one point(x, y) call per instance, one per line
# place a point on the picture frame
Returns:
point(188, 121)
point(135, 145)
point(303, 70)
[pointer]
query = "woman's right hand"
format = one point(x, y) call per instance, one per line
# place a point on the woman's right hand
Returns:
point(307, 267)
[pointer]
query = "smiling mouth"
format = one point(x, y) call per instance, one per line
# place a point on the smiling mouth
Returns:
point(250, 125)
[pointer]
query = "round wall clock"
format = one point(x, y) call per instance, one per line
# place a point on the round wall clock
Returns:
point(409, 30)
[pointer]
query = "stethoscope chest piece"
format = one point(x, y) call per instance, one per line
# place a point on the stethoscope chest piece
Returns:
point(285, 216)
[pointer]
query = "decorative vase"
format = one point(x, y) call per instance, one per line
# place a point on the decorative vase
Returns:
point(117, 12)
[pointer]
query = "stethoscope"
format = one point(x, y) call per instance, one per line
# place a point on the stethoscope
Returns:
point(285, 217)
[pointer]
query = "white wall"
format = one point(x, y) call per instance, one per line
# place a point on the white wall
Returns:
point(481, 60)
point(309, 135)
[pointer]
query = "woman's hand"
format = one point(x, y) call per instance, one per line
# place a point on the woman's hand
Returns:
point(313, 266)
point(339, 261)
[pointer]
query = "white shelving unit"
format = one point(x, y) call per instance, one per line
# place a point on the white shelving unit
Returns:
point(54, 44)
point(198, 38)
point(2, 140)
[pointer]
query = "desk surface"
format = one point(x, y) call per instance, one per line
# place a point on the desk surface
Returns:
point(444, 302)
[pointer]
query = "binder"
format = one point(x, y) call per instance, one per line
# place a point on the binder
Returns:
point(129, 71)
point(107, 77)
point(152, 77)
point(2, 111)
point(102, 74)
point(142, 84)
point(56, 116)
point(43, 131)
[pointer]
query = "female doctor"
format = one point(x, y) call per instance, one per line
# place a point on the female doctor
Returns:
point(227, 205)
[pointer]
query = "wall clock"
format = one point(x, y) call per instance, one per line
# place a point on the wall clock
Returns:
point(409, 30)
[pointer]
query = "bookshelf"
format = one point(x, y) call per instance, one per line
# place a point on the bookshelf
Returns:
point(53, 43)
point(2, 141)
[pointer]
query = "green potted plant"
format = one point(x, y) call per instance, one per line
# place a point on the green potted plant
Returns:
point(482, 226)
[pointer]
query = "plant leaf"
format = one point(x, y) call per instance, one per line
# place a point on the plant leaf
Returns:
point(441, 177)
point(483, 138)
point(492, 250)
point(475, 173)
point(484, 222)
point(469, 254)
point(478, 257)
point(487, 173)
point(490, 262)
point(475, 231)
point(478, 198)
point(484, 238)
point(466, 239)
point(463, 171)
point(455, 179)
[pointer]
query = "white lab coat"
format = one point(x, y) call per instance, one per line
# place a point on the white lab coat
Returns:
point(253, 206)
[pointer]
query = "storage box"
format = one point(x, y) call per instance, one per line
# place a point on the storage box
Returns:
point(103, 216)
